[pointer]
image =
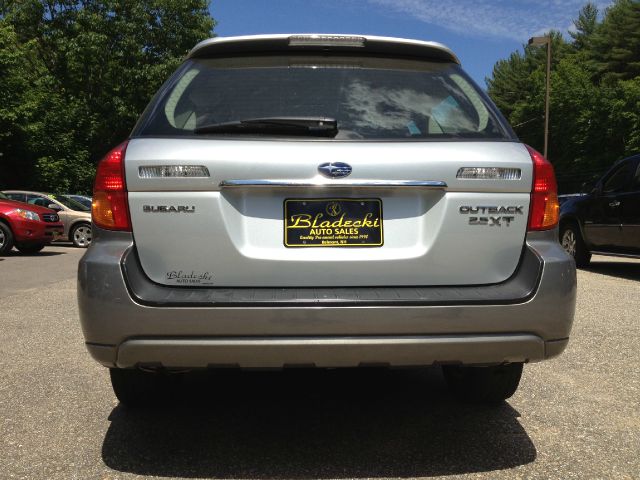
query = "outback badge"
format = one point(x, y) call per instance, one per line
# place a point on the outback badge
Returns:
point(494, 214)
point(335, 169)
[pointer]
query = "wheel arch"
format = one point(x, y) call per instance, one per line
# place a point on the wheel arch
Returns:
point(11, 236)
point(76, 224)
point(573, 219)
point(4, 221)
point(80, 221)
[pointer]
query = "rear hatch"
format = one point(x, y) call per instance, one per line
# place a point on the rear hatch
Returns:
point(423, 183)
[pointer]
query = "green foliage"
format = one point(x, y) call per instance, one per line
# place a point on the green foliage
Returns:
point(616, 42)
point(78, 75)
point(626, 110)
point(19, 72)
point(585, 26)
point(595, 93)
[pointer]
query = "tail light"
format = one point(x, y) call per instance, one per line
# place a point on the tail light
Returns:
point(545, 210)
point(110, 209)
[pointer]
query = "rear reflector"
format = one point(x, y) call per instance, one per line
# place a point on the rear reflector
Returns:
point(109, 208)
point(545, 209)
point(326, 41)
point(173, 171)
point(489, 173)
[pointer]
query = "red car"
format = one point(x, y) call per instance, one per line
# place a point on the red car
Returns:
point(27, 227)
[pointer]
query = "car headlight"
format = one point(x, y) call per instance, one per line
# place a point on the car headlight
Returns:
point(27, 214)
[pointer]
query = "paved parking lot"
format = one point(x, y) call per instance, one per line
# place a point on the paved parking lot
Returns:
point(574, 417)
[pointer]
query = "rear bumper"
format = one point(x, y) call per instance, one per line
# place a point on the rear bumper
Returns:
point(128, 320)
point(281, 352)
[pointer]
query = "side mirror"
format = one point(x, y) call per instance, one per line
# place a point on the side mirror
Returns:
point(596, 189)
point(588, 187)
point(591, 186)
point(54, 206)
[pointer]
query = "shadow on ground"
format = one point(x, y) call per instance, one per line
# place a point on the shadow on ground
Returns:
point(44, 253)
point(61, 243)
point(50, 250)
point(316, 424)
point(620, 269)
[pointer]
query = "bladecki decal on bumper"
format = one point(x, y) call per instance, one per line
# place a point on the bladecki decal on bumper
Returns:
point(492, 214)
point(190, 277)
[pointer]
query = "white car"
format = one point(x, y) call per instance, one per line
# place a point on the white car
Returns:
point(324, 201)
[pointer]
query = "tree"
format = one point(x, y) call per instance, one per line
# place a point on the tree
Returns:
point(99, 64)
point(18, 72)
point(625, 112)
point(616, 43)
point(585, 26)
point(517, 86)
point(595, 93)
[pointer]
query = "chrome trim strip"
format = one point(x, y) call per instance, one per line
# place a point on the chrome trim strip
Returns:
point(430, 184)
point(613, 254)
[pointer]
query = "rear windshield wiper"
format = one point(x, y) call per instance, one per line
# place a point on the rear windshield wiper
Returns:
point(303, 126)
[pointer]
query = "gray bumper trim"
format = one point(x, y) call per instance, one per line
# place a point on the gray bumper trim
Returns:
point(111, 318)
point(517, 289)
point(279, 352)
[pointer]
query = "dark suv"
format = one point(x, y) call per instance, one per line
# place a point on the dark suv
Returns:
point(606, 220)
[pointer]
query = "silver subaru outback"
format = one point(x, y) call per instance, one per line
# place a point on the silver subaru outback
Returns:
point(324, 201)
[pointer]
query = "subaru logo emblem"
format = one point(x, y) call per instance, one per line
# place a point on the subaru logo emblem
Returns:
point(335, 169)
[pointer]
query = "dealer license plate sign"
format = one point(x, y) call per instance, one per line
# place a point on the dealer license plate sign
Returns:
point(333, 222)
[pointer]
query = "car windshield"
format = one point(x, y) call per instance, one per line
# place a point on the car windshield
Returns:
point(3, 196)
point(86, 201)
point(370, 98)
point(70, 203)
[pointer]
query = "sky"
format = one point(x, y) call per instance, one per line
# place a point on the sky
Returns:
point(480, 32)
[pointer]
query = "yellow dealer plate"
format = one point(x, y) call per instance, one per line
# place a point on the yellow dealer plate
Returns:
point(333, 222)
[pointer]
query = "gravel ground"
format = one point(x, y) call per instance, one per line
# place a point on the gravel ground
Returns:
point(577, 416)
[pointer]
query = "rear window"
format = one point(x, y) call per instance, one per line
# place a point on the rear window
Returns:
point(371, 98)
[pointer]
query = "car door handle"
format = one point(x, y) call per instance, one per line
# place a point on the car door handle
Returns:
point(615, 203)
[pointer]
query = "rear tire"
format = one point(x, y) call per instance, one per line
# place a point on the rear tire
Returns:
point(80, 235)
point(6, 239)
point(30, 249)
point(573, 243)
point(136, 388)
point(492, 384)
